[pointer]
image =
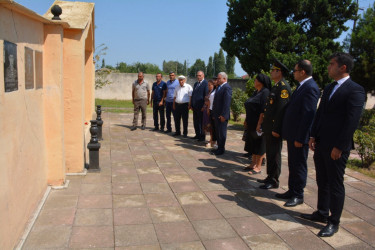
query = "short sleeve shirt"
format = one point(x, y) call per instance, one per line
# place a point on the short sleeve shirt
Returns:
point(158, 90)
point(183, 93)
point(140, 90)
point(170, 92)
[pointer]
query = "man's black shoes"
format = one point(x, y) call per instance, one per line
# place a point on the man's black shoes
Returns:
point(287, 195)
point(143, 127)
point(269, 185)
point(133, 128)
point(294, 201)
point(328, 230)
point(315, 216)
point(167, 131)
point(176, 134)
point(155, 129)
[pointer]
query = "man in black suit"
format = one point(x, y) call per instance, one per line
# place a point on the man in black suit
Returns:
point(200, 91)
point(332, 139)
point(221, 111)
point(298, 118)
point(272, 122)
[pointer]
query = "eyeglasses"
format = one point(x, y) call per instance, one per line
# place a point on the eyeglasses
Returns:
point(295, 70)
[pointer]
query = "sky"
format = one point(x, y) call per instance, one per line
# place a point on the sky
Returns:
point(150, 31)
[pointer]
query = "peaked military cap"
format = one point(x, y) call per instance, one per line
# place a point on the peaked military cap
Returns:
point(279, 66)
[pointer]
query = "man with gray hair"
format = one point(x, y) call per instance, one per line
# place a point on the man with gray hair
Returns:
point(221, 111)
point(200, 90)
point(140, 98)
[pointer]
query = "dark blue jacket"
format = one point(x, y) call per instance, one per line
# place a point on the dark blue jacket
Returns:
point(222, 100)
point(337, 118)
point(198, 95)
point(300, 111)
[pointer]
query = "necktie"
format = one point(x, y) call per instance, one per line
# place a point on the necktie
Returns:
point(218, 88)
point(199, 83)
point(331, 89)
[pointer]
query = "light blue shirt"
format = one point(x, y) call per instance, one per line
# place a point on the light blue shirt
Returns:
point(170, 90)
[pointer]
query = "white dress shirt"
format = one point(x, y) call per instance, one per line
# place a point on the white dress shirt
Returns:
point(183, 94)
point(339, 83)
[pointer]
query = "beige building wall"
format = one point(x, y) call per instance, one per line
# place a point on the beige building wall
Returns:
point(43, 128)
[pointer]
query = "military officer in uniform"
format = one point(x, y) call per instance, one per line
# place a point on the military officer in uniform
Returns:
point(272, 123)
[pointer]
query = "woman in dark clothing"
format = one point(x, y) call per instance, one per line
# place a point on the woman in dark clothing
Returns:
point(254, 108)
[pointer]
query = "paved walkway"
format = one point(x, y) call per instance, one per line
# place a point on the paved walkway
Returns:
point(160, 192)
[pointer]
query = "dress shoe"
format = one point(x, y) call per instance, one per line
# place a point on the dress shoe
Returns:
point(195, 137)
point(201, 139)
point(262, 180)
point(315, 216)
point(185, 136)
point(287, 195)
point(161, 130)
point(246, 155)
point(133, 128)
point(269, 185)
point(167, 131)
point(329, 230)
point(294, 201)
point(176, 134)
point(155, 129)
point(143, 127)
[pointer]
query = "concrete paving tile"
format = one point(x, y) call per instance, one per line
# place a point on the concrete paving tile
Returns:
point(141, 247)
point(202, 212)
point(225, 244)
point(210, 186)
point(135, 235)
point(173, 170)
point(281, 222)
point(124, 170)
point(74, 188)
point(361, 246)
point(213, 229)
point(151, 188)
point(231, 209)
point(148, 170)
point(53, 237)
point(130, 200)
point(56, 217)
point(303, 239)
point(124, 178)
point(341, 239)
point(95, 201)
point(126, 188)
point(265, 242)
point(92, 237)
point(161, 200)
point(347, 217)
point(182, 187)
point(60, 201)
point(175, 232)
point(151, 178)
point(167, 214)
point(178, 178)
point(220, 196)
point(247, 226)
point(91, 189)
point(192, 198)
point(96, 178)
point(196, 245)
point(362, 211)
point(362, 230)
point(131, 215)
point(93, 217)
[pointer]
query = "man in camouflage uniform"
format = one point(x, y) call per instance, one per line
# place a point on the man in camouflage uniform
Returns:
point(272, 122)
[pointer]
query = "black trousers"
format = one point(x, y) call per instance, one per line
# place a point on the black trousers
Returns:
point(330, 181)
point(221, 134)
point(273, 156)
point(168, 111)
point(297, 164)
point(158, 110)
point(182, 111)
point(198, 123)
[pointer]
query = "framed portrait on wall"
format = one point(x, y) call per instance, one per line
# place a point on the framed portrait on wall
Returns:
point(10, 67)
point(29, 68)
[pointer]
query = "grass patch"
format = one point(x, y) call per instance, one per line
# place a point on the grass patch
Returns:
point(236, 125)
point(356, 165)
point(114, 103)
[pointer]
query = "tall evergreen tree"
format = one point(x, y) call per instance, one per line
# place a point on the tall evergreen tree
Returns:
point(220, 62)
point(210, 67)
point(214, 62)
point(229, 64)
point(259, 31)
point(198, 65)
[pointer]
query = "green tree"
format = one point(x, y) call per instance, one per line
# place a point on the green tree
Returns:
point(214, 62)
point(229, 65)
point(103, 63)
point(219, 63)
point(258, 31)
point(174, 66)
point(101, 75)
point(362, 43)
point(185, 68)
point(197, 66)
point(210, 67)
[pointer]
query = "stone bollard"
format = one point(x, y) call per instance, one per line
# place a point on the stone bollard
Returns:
point(93, 147)
point(99, 121)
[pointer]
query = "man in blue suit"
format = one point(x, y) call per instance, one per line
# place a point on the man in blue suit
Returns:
point(221, 111)
point(200, 90)
point(298, 118)
point(332, 139)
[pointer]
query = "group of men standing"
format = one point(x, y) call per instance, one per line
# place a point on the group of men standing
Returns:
point(177, 97)
point(327, 130)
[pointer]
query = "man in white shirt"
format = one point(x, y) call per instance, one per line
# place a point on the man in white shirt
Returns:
point(181, 105)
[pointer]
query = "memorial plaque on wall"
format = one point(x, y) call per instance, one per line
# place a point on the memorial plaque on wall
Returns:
point(29, 68)
point(10, 67)
point(38, 69)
